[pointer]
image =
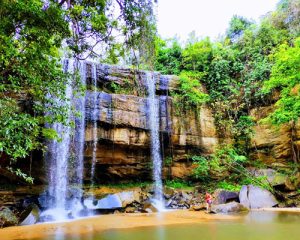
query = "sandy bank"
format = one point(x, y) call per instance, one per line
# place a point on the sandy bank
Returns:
point(106, 222)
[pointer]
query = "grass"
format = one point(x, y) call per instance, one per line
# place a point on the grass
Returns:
point(229, 186)
point(178, 184)
point(125, 185)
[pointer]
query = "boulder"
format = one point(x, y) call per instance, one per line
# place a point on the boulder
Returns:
point(149, 207)
point(30, 215)
point(130, 209)
point(129, 197)
point(111, 201)
point(254, 197)
point(232, 207)
point(222, 196)
point(187, 196)
point(7, 218)
point(114, 201)
point(198, 207)
point(243, 196)
point(180, 200)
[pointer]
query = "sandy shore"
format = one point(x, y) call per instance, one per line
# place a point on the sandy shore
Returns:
point(106, 222)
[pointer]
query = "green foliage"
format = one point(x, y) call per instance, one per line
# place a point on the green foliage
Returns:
point(237, 26)
point(29, 71)
point(168, 161)
point(190, 88)
point(224, 159)
point(190, 93)
point(196, 56)
point(168, 56)
point(18, 134)
point(229, 166)
point(285, 76)
point(20, 174)
point(125, 185)
point(202, 167)
point(229, 186)
point(177, 184)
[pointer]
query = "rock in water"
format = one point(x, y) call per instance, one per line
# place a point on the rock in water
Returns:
point(254, 197)
point(7, 218)
point(232, 207)
point(30, 215)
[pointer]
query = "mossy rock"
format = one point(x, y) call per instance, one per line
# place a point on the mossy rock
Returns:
point(7, 218)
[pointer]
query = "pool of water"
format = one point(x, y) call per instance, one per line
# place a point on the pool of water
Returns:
point(254, 226)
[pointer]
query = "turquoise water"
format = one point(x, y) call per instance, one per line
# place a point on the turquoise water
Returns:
point(254, 226)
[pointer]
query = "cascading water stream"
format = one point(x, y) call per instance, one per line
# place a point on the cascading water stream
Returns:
point(94, 120)
point(79, 139)
point(62, 183)
point(57, 160)
point(153, 119)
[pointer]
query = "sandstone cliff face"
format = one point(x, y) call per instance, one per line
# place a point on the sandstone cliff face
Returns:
point(270, 144)
point(123, 138)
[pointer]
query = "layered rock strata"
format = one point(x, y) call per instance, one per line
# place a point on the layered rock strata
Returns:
point(274, 145)
point(123, 146)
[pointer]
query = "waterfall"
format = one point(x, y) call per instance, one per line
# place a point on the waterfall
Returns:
point(64, 161)
point(57, 160)
point(79, 139)
point(153, 119)
point(94, 120)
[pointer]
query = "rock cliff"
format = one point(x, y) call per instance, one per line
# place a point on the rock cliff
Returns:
point(272, 145)
point(123, 143)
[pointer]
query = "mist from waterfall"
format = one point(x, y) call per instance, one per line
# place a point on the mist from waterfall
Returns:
point(153, 121)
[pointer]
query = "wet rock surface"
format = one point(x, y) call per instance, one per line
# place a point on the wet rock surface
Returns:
point(30, 215)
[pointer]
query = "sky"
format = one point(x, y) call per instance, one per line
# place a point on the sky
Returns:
point(206, 17)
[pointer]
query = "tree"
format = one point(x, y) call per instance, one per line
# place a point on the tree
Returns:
point(285, 77)
point(99, 24)
point(168, 56)
point(237, 26)
point(32, 81)
point(196, 56)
